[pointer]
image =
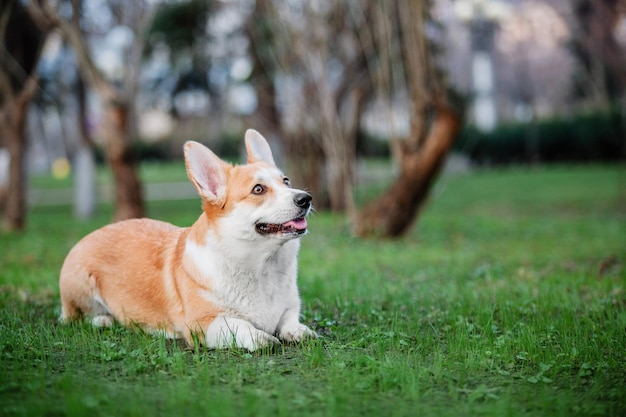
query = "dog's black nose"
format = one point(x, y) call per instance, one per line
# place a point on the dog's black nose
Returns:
point(303, 200)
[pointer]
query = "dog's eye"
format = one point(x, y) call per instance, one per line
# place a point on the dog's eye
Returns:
point(287, 182)
point(258, 189)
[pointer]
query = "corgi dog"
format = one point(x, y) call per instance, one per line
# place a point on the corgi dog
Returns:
point(228, 280)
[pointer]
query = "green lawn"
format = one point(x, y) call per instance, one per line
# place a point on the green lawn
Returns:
point(151, 172)
point(506, 300)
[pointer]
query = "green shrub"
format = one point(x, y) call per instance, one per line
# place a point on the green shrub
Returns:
point(591, 136)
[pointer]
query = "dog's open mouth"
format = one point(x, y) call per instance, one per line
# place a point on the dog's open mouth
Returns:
point(292, 227)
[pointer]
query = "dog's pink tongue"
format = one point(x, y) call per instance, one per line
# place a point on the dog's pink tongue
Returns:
point(298, 224)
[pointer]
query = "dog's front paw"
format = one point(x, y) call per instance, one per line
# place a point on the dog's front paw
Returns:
point(297, 333)
point(226, 332)
point(257, 340)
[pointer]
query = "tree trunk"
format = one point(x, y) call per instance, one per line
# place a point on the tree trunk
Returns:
point(305, 162)
point(266, 118)
point(21, 44)
point(4, 174)
point(128, 193)
point(85, 196)
point(339, 169)
point(84, 182)
point(12, 124)
point(338, 143)
point(393, 213)
point(129, 201)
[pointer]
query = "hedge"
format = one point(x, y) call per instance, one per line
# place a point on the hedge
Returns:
point(590, 136)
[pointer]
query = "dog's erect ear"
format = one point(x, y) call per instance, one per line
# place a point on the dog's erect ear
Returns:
point(206, 172)
point(257, 148)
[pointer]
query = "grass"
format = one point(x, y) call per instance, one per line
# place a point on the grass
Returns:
point(506, 300)
point(153, 171)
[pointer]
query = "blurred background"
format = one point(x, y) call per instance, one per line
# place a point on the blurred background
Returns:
point(347, 92)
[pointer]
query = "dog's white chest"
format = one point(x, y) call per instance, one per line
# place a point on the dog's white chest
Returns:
point(256, 288)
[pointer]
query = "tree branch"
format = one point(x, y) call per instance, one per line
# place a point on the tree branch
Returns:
point(5, 87)
point(47, 17)
point(4, 21)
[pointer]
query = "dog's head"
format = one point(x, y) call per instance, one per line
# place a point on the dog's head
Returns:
point(250, 201)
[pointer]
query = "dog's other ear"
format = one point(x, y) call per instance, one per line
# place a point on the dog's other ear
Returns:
point(206, 172)
point(257, 148)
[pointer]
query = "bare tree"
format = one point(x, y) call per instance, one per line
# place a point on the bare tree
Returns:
point(312, 51)
point(84, 158)
point(594, 44)
point(21, 43)
point(433, 123)
point(116, 96)
point(269, 62)
point(257, 28)
point(340, 55)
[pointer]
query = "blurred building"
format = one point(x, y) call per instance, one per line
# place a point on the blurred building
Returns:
point(524, 61)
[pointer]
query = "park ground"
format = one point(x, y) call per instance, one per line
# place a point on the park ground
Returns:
point(506, 299)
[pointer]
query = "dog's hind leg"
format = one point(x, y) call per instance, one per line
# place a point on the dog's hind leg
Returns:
point(69, 311)
point(80, 296)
